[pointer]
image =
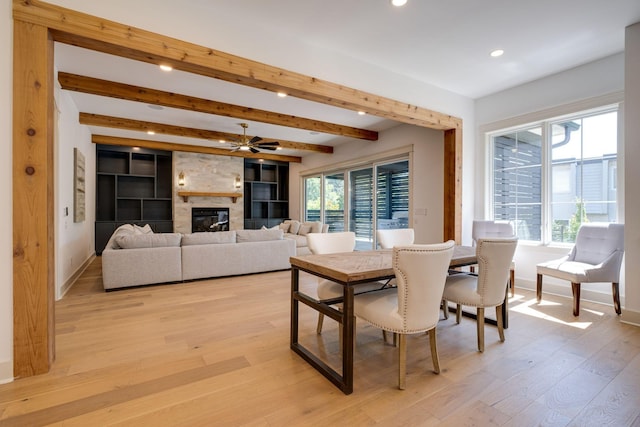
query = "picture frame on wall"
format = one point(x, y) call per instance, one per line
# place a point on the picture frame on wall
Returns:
point(78, 186)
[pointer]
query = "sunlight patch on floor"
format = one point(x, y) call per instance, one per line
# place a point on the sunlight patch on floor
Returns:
point(526, 308)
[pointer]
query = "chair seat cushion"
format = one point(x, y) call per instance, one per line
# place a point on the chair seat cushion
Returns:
point(572, 271)
point(461, 289)
point(381, 310)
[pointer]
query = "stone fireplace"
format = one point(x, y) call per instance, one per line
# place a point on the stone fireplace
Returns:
point(206, 173)
point(209, 219)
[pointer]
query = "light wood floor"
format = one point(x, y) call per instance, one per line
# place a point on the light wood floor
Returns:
point(216, 352)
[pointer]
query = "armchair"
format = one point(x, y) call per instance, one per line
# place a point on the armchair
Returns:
point(595, 257)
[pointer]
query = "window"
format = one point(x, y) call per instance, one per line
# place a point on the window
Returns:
point(375, 196)
point(579, 157)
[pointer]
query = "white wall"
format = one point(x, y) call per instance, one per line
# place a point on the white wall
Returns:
point(595, 84)
point(6, 244)
point(427, 173)
point(74, 241)
point(632, 171)
point(253, 43)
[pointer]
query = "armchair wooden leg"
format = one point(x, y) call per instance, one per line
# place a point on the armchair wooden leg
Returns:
point(434, 351)
point(512, 281)
point(480, 323)
point(445, 308)
point(500, 322)
point(575, 288)
point(616, 297)
point(539, 288)
point(458, 313)
point(320, 321)
point(402, 361)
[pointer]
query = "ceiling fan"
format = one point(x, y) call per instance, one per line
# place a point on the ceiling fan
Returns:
point(252, 144)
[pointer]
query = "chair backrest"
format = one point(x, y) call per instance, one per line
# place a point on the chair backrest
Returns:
point(494, 262)
point(595, 242)
point(331, 243)
point(484, 229)
point(387, 239)
point(421, 272)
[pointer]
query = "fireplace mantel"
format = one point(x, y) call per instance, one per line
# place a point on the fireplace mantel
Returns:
point(186, 194)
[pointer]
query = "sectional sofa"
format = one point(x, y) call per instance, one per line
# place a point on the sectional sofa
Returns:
point(136, 256)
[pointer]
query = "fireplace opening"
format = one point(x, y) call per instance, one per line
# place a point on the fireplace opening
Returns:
point(209, 219)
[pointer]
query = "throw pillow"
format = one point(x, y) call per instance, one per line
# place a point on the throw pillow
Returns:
point(304, 229)
point(123, 230)
point(208, 238)
point(285, 227)
point(294, 227)
point(142, 230)
point(316, 226)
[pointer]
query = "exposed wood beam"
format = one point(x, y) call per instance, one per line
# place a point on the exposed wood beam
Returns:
point(142, 126)
point(170, 146)
point(168, 99)
point(79, 29)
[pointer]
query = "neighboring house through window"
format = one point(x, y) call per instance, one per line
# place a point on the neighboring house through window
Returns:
point(550, 177)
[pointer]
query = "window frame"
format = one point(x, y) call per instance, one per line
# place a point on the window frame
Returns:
point(545, 124)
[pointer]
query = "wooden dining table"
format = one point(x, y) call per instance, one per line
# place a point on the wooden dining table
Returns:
point(350, 270)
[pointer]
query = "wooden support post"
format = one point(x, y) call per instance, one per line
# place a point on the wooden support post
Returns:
point(33, 200)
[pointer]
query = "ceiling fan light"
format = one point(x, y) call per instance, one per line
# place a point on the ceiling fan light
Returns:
point(244, 148)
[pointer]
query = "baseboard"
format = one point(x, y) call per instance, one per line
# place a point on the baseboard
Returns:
point(630, 317)
point(71, 280)
point(6, 372)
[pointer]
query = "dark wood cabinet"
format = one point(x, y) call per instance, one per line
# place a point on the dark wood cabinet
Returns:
point(266, 193)
point(133, 186)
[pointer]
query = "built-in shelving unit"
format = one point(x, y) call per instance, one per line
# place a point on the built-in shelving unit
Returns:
point(266, 193)
point(133, 186)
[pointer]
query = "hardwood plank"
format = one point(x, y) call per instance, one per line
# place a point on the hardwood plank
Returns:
point(217, 351)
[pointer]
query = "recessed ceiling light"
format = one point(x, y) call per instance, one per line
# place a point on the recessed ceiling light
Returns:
point(496, 53)
point(398, 3)
point(150, 132)
point(165, 67)
point(282, 95)
point(155, 107)
point(362, 113)
point(221, 141)
point(278, 148)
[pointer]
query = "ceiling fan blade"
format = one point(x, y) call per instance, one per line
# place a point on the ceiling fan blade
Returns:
point(267, 148)
point(255, 139)
point(263, 144)
point(253, 150)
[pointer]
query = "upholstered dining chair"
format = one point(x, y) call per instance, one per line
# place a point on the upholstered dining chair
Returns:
point(331, 243)
point(487, 288)
point(387, 239)
point(595, 257)
point(487, 229)
point(414, 305)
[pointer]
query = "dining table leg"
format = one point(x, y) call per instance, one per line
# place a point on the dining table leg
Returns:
point(348, 337)
point(295, 285)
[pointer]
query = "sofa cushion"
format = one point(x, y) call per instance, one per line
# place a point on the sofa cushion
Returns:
point(138, 241)
point(316, 226)
point(301, 241)
point(285, 227)
point(304, 229)
point(258, 235)
point(294, 226)
point(207, 238)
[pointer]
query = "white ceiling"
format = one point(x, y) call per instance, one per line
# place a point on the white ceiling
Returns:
point(445, 44)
